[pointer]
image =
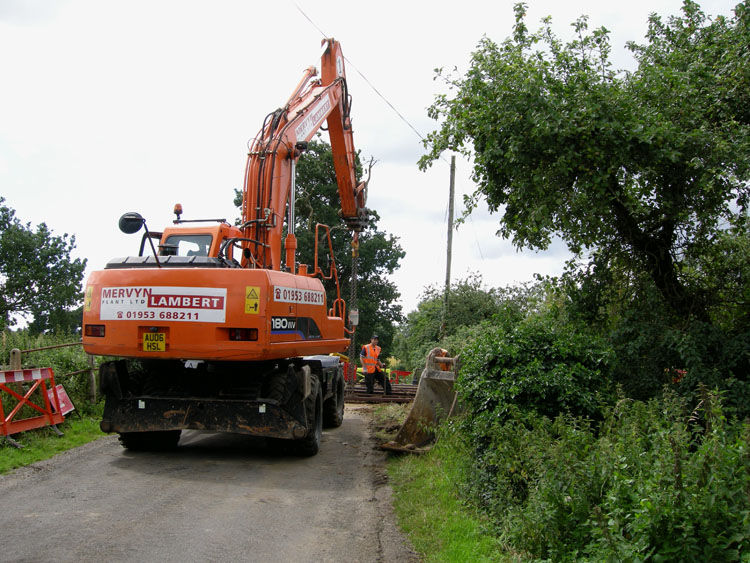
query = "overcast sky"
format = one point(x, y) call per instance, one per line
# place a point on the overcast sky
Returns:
point(111, 106)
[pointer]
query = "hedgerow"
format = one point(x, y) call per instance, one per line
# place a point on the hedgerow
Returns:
point(654, 481)
point(538, 364)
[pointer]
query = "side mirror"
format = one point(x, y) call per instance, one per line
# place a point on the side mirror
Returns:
point(131, 223)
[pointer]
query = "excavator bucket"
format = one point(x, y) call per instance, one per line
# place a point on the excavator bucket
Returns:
point(434, 402)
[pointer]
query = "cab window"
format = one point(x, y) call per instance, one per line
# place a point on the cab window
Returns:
point(186, 245)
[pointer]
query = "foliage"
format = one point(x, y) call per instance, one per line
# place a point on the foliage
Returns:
point(59, 321)
point(37, 275)
point(721, 272)
point(63, 361)
point(645, 176)
point(446, 529)
point(379, 252)
point(539, 365)
point(643, 167)
point(468, 304)
point(471, 309)
point(651, 353)
point(657, 481)
point(650, 345)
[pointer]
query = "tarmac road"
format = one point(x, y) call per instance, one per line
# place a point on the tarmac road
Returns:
point(216, 498)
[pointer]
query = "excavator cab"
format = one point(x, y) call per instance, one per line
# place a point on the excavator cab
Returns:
point(215, 241)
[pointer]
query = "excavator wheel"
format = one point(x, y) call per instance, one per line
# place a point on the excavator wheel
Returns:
point(310, 444)
point(278, 388)
point(333, 408)
point(150, 441)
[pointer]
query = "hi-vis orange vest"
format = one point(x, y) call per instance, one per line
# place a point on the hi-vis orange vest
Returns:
point(370, 359)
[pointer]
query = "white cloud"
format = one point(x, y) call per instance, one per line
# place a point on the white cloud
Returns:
point(109, 107)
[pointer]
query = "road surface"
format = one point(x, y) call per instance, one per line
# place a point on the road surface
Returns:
point(216, 498)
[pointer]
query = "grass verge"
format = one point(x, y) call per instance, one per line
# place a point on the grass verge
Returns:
point(43, 443)
point(440, 526)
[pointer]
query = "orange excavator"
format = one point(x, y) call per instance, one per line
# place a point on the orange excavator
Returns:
point(215, 329)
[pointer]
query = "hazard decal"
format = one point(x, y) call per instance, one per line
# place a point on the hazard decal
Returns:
point(252, 300)
point(89, 298)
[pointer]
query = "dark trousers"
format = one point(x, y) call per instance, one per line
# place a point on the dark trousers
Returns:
point(383, 381)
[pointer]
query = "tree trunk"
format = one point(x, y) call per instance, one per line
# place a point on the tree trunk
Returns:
point(655, 251)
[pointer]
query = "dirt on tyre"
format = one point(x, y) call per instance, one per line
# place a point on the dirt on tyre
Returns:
point(333, 408)
point(310, 444)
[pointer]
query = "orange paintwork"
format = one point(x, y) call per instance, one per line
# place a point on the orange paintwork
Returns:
point(191, 339)
point(187, 312)
point(268, 176)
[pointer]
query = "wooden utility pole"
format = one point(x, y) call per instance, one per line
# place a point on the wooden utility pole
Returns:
point(450, 245)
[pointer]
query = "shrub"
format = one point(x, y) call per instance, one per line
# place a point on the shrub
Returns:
point(539, 365)
point(471, 308)
point(656, 481)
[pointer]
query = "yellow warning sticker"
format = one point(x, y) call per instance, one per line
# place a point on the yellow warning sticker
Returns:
point(89, 297)
point(252, 300)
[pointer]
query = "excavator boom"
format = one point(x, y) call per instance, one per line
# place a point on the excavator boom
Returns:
point(279, 144)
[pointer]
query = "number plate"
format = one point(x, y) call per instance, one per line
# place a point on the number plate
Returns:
point(154, 342)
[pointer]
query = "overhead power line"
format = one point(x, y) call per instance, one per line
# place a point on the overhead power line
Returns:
point(382, 97)
point(370, 84)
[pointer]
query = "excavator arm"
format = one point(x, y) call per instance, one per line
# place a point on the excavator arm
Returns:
point(269, 175)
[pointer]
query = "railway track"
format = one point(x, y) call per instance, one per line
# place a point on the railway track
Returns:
point(402, 393)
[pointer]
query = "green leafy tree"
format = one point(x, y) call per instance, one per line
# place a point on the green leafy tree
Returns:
point(379, 252)
point(60, 321)
point(38, 277)
point(469, 303)
point(645, 168)
point(472, 308)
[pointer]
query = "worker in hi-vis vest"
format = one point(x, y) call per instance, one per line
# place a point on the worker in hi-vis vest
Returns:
point(371, 366)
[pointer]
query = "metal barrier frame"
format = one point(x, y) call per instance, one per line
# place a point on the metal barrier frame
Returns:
point(51, 413)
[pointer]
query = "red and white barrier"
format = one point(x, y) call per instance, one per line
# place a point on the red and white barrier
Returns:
point(16, 376)
point(48, 407)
